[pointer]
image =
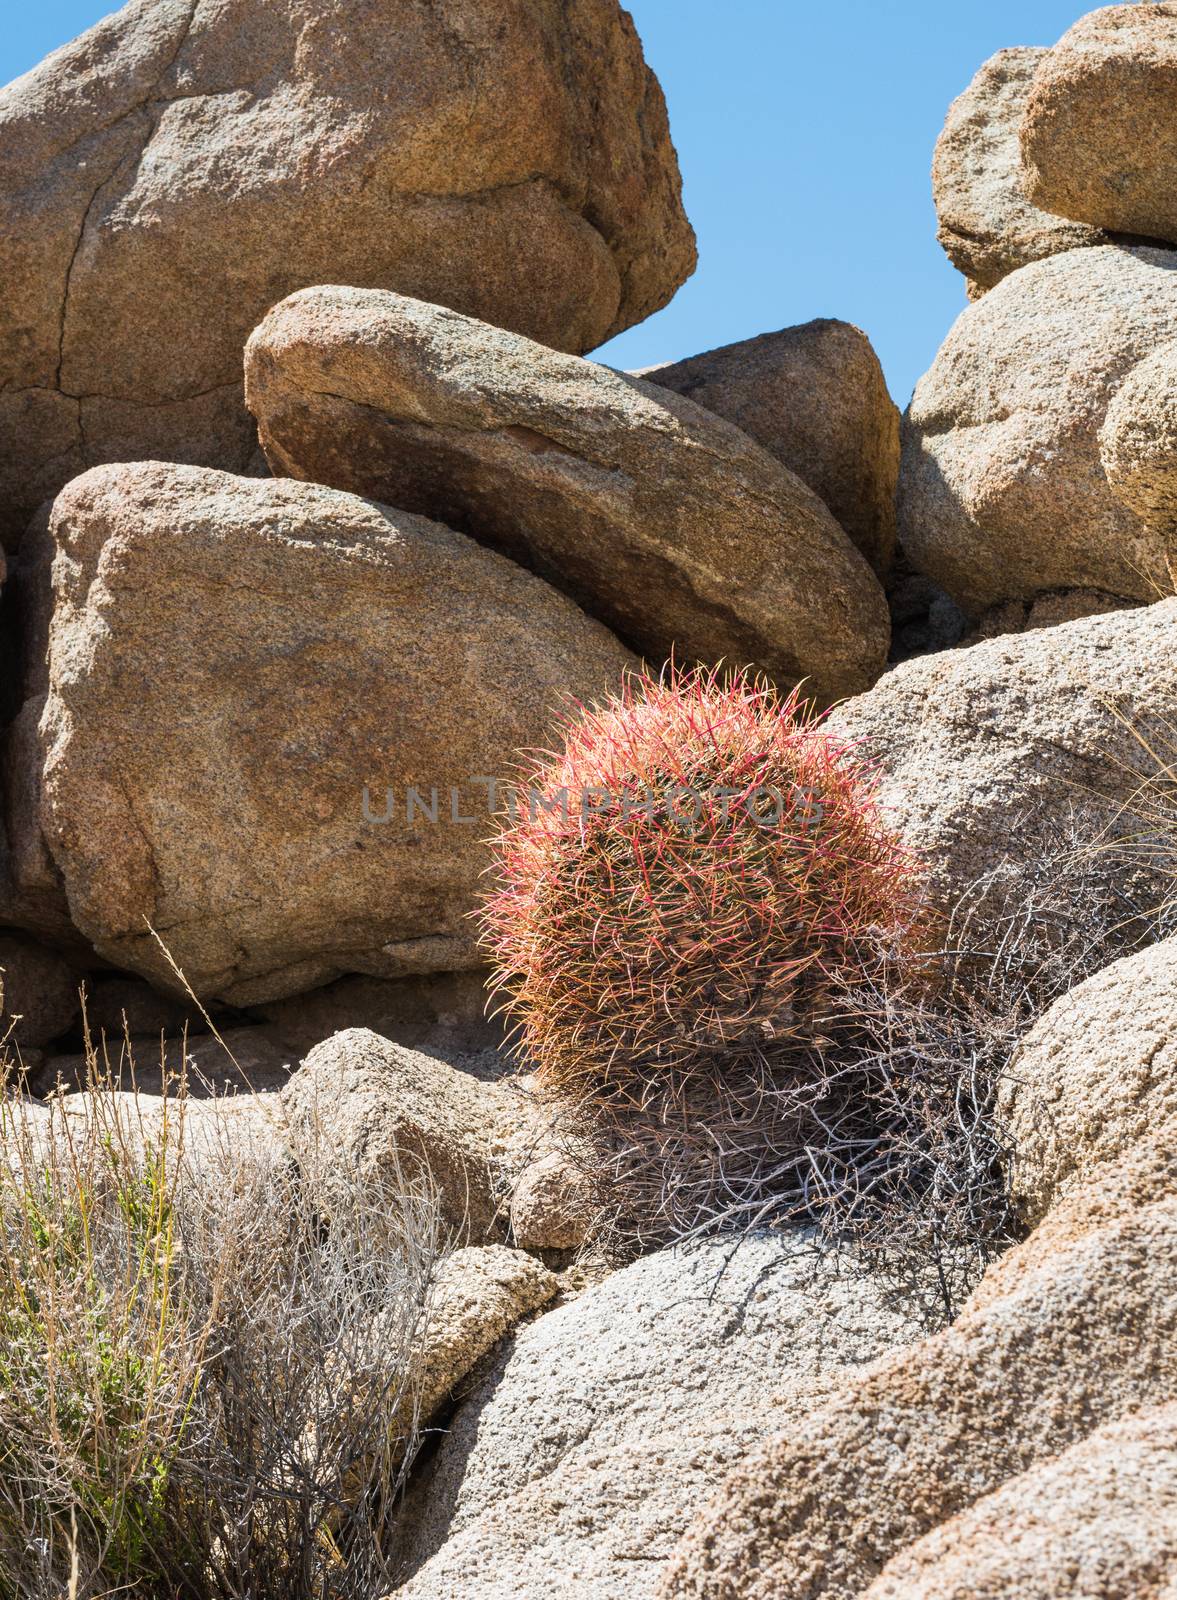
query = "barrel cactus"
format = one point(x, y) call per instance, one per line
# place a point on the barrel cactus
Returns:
point(692, 898)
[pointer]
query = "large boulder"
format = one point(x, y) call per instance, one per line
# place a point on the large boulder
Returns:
point(1099, 135)
point(1008, 752)
point(249, 680)
point(1138, 441)
point(664, 521)
point(1093, 1077)
point(986, 223)
point(815, 397)
point(1069, 1332)
point(1098, 1520)
point(180, 167)
point(577, 1461)
point(1002, 495)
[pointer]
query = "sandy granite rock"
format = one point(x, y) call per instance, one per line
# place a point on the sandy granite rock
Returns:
point(1099, 133)
point(1092, 1078)
point(575, 1464)
point(995, 758)
point(1002, 492)
point(1068, 1333)
point(815, 397)
point(184, 164)
point(663, 520)
point(234, 664)
point(1138, 441)
point(1098, 1520)
point(987, 225)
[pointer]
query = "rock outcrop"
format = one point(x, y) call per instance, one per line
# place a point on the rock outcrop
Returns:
point(554, 1206)
point(479, 1294)
point(1099, 135)
point(659, 518)
point(1098, 1520)
point(815, 397)
point(1095, 1076)
point(240, 671)
point(1002, 495)
point(1138, 441)
point(987, 225)
point(577, 1461)
point(1066, 1334)
point(1000, 754)
point(180, 167)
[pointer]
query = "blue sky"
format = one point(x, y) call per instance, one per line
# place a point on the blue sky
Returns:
point(805, 135)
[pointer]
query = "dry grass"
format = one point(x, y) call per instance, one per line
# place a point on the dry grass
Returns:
point(101, 1353)
point(207, 1356)
point(1142, 837)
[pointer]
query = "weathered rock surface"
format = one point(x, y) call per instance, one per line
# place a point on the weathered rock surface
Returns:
point(664, 521)
point(815, 397)
point(575, 1464)
point(1002, 752)
point(553, 1205)
point(1065, 1335)
point(478, 1295)
point(184, 165)
point(1099, 1520)
point(232, 661)
point(1099, 135)
point(987, 225)
point(1138, 441)
point(39, 998)
point(372, 1107)
point(1093, 1077)
point(1002, 494)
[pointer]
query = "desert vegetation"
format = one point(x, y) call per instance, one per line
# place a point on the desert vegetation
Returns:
point(814, 1173)
point(747, 1002)
point(207, 1363)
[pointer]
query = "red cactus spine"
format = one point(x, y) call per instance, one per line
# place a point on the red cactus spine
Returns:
point(690, 890)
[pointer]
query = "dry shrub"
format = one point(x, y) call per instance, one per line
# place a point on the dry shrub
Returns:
point(883, 1135)
point(926, 1193)
point(207, 1381)
point(1140, 841)
point(317, 1289)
